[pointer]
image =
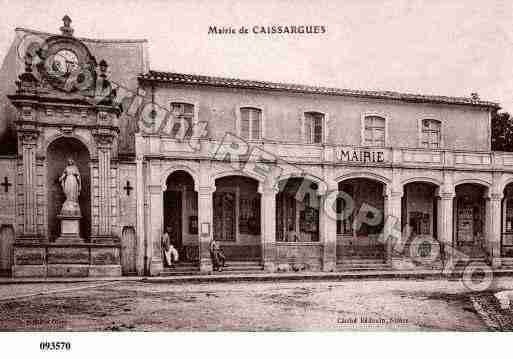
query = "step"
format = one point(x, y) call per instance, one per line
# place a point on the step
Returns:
point(243, 263)
point(507, 262)
point(360, 261)
point(229, 268)
point(461, 263)
point(362, 264)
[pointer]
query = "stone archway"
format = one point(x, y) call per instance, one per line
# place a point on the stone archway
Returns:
point(57, 154)
point(470, 219)
point(180, 212)
point(363, 215)
point(237, 218)
point(507, 222)
point(419, 218)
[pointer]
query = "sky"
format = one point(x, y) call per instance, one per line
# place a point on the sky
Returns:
point(444, 47)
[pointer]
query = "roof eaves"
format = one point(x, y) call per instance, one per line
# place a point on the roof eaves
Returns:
point(180, 78)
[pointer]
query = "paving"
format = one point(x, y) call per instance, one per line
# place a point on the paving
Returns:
point(397, 304)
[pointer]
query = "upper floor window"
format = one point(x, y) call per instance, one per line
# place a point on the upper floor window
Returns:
point(184, 117)
point(314, 122)
point(430, 133)
point(374, 131)
point(251, 123)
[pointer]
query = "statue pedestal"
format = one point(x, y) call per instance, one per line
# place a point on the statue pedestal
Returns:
point(70, 229)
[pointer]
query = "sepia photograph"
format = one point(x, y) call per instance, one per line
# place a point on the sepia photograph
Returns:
point(255, 167)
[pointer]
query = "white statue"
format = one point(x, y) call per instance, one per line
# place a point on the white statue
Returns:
point(71, 185)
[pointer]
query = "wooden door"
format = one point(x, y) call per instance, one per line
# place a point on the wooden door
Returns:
point(128, 251)
point(6, 250)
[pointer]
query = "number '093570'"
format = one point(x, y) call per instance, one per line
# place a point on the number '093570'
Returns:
point(55, 346)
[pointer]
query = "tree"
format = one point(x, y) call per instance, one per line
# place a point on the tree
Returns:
point(502, 132)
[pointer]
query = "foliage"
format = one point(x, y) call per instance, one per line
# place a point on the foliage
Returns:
point(502, 132)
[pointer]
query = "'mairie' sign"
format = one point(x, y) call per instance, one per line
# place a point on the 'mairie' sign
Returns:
point(349, 154)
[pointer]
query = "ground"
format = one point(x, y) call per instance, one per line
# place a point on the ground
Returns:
point(403, 305)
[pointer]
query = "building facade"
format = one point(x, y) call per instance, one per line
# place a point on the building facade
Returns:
point(283, 176)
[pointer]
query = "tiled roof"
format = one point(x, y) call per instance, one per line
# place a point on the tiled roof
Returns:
point(179, 78)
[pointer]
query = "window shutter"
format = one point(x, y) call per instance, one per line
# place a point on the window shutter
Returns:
point(244, 123)
point(256, 124)
point(308, 129)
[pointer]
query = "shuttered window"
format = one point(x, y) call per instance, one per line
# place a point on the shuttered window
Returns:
point(183, 114)
point(314, 123)
point(374, 131)
point(251, 123)
point(431, 133)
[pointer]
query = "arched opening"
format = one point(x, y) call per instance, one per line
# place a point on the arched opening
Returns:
point(419, 214)
point(361, 209)
point(237, 218)
point(507, 222)
point(469, 219)
point(181, 215)
point(297, 211)
point(58, 152)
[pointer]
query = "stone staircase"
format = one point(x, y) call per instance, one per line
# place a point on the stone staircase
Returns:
point(232, 267)
point(182, 268)
point(362, 264)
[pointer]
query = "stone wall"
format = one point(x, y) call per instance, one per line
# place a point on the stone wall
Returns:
point(463, 127)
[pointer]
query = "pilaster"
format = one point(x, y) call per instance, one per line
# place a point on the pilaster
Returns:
point(493, 232)
point(104, 140)
point(155, 230)
point(205, 224)
point(268, 228)
point(328, 228)
point(393, 215)
point(445, 224)
point(141, 258)
point(28, 142)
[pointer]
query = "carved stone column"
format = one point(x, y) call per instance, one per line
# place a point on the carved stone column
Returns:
point(268, 228)
point(155, 230)
point(393, 214)
point(104, 140)
point(493, 213)
point(328, 228)
point(445, 224)
point(205, 227)
point(28, 141)
point(141, 258)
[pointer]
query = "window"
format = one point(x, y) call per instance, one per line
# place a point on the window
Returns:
point(184, 117)
point(430, 134)
point(251, 123)
point(314, 127)
point(374, 131)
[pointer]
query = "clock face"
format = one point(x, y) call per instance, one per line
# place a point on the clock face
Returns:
point(64, 63)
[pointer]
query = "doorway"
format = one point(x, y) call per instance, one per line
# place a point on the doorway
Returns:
point(128, 251)
point(173, 218)
point(6, 250)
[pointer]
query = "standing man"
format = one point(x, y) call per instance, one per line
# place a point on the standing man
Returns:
point(217, 256)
